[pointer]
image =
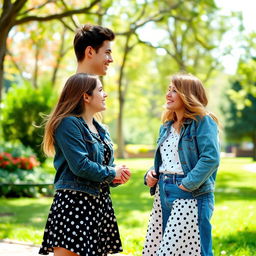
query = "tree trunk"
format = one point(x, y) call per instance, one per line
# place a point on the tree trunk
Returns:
point(61, 54)
point(254, 147)
point(120, 135)
point(7, 21)
point(35, 76)
point(2, 56)
point(4, 31)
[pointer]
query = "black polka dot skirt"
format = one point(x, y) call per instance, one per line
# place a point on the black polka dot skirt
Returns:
point(82, 223)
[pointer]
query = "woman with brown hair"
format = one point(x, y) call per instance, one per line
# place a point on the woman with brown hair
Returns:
point(81, 219)
point(183, 177)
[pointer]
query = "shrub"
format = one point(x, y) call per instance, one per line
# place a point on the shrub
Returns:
point(139, 148)
point(12, 163)
point(19, 173)
point(22, 112)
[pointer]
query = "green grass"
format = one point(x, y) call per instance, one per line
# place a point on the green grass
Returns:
point(234, 220)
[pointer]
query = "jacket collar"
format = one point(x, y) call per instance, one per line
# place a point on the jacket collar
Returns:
point(169, 123)
point(99, 127)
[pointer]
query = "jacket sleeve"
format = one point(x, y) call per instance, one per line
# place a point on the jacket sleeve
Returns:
point(152, 167)
point(69, 138)
point(209, 154)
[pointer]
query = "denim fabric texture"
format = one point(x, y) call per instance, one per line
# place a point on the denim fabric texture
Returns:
point(79, 156)
point(169, 192)
point(199, 153)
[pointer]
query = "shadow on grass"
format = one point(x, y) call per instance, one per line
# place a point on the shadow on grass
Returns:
point(31, 213)
point(240, 189)
point(242, 241)
point(235, 193)
point(23, 218)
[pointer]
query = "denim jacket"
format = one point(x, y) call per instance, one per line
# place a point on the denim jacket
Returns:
point(79, 157)
point(199, 153)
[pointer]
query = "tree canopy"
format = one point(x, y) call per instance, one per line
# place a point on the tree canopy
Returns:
point(154, 40)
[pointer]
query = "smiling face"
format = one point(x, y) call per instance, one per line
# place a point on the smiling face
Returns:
point(97, 102)
point(173, 100)
point(101, 59)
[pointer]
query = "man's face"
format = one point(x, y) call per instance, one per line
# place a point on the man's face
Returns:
point(102, 59)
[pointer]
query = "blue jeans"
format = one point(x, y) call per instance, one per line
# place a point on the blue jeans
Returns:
point(169, 191)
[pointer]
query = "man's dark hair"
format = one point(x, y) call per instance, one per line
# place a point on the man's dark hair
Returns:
point(91, 35)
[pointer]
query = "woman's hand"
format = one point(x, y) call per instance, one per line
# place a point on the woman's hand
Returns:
point(123, 174)
point(151, 181)
point(183, 188)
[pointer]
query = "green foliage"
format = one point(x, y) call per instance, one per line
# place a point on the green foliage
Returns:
point(240, 120)
point(19, 170)
point(16, 149)
point(189, 31)
point(22, 115)
point(20, 183)
point(245, 74)
point(247, 77)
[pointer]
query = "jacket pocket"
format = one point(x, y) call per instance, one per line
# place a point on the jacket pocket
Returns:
point(190, 142)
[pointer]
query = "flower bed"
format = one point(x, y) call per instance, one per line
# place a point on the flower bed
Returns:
point(22, 176)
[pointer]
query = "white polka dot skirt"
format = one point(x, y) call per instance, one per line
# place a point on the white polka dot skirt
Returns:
point(181, 236)
point(82, 223)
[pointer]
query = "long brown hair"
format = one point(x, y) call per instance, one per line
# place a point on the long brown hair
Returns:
point(192, 93)
point(70, 103)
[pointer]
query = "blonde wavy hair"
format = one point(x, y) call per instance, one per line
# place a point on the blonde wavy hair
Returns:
point(193, 95)
point(70, 103)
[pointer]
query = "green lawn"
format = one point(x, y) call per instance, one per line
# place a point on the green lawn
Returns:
point(234, 221)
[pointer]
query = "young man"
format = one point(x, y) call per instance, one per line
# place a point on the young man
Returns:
point(93, 50)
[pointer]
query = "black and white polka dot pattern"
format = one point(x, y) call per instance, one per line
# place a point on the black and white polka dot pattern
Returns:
point(154, 232)
point(169, 154)
point(181, 236)
point(83, 224)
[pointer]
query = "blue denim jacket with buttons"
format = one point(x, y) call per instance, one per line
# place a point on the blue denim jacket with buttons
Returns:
point(79, 156)
point(199, 153)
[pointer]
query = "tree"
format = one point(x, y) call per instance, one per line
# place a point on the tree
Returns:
point(19, 12)
point(246, 70)
point(185, 47)
point(136, 16)
point(240, 122)
point(191, 38)
point(186, 26)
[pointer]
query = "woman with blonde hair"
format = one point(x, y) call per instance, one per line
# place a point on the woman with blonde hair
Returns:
point(183, 177)
point(81, 219)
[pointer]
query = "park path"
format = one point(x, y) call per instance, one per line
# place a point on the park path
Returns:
point(250, 167)
point(10, 248)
